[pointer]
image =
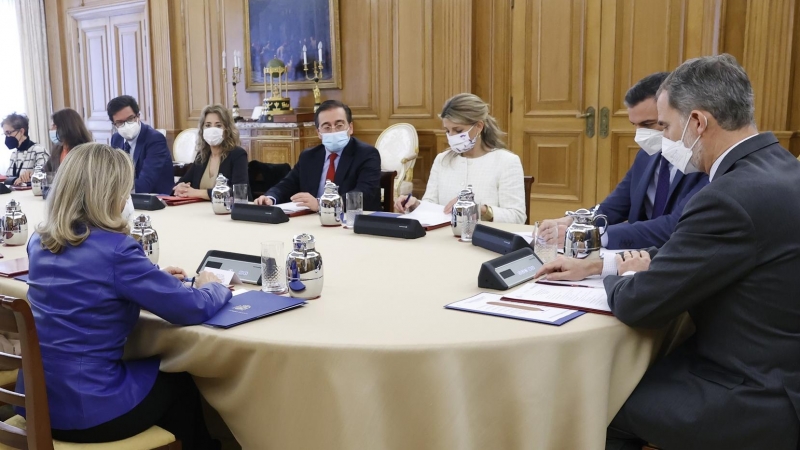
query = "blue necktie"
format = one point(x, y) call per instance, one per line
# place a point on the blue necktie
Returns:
point(662, 189)
point(127, 147)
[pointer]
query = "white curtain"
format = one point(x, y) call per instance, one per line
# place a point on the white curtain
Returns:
point(12, 90)
point(35, 68)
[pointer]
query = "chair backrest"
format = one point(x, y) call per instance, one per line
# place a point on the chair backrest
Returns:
point(16, 317)
point(399, 147)
point(387, 190)
point(528, 184)
point(263, 176)
point(184, 145)
point(162, 131)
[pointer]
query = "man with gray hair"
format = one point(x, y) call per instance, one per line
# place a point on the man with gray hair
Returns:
point(732, 263)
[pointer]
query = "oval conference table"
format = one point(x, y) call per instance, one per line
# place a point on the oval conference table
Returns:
point(377, 362)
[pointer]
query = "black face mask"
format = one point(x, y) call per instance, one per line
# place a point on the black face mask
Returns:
point(11, 142)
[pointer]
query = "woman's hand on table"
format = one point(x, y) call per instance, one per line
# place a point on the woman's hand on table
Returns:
point(405, 204)
point(182, 189)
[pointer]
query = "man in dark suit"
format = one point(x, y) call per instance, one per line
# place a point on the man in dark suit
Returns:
point(152, 159)
point(731, 263)
point(645, 206)
point(350, 163)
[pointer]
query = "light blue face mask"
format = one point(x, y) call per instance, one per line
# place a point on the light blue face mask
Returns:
point(54, 137)
point(335, 142)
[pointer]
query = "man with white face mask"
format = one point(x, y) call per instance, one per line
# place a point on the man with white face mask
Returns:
point(731, 263)
point(147, 147)
point(348, 162)
point(645, 206)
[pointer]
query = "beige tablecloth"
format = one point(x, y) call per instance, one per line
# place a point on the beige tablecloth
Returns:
point(377, 362)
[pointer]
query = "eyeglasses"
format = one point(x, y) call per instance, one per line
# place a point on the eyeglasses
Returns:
point(327, 128)
point(130, 121)
point(9, 133)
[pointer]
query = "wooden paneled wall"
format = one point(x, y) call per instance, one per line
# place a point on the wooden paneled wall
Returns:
point(401, 59)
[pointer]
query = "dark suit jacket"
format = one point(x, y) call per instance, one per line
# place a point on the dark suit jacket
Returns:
point(359, 170)
point(732, 263)
point(233, 167)
point(629, 227)
point(152, 161)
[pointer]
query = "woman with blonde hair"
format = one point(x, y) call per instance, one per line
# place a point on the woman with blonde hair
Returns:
point(218, 152)
point(88, 281)
point(476, 157)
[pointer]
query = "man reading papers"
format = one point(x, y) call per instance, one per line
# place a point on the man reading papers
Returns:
point(731, 263)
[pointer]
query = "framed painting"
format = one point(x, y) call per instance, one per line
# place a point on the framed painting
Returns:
point(280, 28)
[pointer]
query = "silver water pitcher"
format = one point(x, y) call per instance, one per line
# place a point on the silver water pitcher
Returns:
point(304, 274)
point(465, 214)
point(38, 180)
point(330, 206)
point(583, 237)
point(221, 196)
point(145, 235)
point(15, 225)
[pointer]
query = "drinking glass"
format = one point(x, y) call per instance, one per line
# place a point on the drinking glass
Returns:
point(273, 267)
point(354, 206)
point(240, 193)
point(545, 242)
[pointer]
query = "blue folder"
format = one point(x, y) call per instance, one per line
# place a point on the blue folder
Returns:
point(252, 305)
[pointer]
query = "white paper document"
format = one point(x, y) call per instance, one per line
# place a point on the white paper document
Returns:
point(291, 207)
point(581, 298)
point(493, 304)
point(594, 281)
point(428, 214)
point(225, 277)
point(527, 235)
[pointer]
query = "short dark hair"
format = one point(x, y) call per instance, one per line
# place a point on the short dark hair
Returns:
point(645, 88)
point(717, 84)
point(118, 104)
point(70, 128)
point(16, 121)
point(327, 105)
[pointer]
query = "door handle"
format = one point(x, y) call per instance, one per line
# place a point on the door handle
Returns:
point(589, 116)
point(604, 118)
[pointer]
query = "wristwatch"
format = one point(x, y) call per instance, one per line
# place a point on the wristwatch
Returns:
point(489, 214)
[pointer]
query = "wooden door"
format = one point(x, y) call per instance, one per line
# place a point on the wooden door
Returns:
point(555, 72)
point(639, 37)
point(111, 58)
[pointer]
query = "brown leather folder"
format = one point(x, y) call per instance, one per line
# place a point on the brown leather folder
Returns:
point(14, 267)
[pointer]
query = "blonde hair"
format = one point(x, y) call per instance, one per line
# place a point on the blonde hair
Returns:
point(469, 109)
point(89, 191)
point(230, 135)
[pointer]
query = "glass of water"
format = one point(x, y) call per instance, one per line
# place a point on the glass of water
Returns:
point(545, 242)
point(240, 193)
point(273, 267)
point(353, 207)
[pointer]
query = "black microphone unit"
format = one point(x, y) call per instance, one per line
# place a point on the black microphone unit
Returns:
point(498, 241)
point(388, 226)
point(258, 213)
point(147, 202)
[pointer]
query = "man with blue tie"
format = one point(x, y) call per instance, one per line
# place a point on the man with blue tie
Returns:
point(645, 206)
point(351, 164)
point(147, 147)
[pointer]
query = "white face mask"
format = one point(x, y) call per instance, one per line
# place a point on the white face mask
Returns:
point(461, 142)
point(649, 140)
point(213, 136)
point(677, 154)
point(130, 131)
point(128, 213)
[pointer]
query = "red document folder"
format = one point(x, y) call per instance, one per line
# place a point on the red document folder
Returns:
point(13, 267)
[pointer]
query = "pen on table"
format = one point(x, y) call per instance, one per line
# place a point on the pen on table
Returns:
point(189, 280)
point(550, 283)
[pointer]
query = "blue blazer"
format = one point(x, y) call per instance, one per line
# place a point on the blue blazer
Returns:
point(359, 170)
point(152, 161)
point(85, 302)
point(629, 227)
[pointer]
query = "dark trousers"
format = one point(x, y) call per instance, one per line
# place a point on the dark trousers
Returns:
point(173, 404)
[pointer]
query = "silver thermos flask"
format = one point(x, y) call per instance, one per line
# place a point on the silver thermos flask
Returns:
point(304, 272)
point(221, 196)
point(330, 206)
point(15, 225)
point(465, 213)
point(145, 235)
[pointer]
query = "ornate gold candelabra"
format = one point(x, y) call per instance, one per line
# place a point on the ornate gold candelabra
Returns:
point(317, 65)
point(235, 80)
